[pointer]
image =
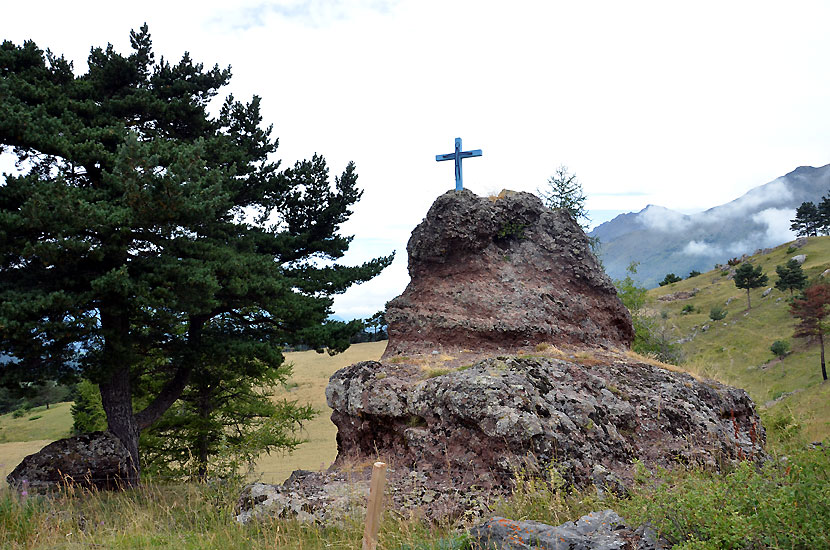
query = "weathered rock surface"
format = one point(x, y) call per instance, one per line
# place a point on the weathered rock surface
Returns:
point(502, 275)
point(799, 242)
point(604, 530)
point(334, 496)
point(97, 459)
point(307, 496)
point(479, 426)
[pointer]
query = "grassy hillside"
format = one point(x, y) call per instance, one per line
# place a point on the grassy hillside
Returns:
point(736, 349)
point(37, 423)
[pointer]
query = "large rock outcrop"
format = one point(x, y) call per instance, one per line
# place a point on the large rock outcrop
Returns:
point(508, 354)
point(97, 459)
point(499, 275)
point(588, 416)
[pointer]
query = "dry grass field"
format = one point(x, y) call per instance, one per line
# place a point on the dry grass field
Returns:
point(308, 385)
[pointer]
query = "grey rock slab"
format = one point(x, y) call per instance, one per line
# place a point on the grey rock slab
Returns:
point(604, 530)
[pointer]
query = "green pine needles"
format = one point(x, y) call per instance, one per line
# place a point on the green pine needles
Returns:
point(154, 249)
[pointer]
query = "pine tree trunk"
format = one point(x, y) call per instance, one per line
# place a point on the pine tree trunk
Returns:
point(116, 397)
point(748, 303)
point(116, 391)
point(823, 368)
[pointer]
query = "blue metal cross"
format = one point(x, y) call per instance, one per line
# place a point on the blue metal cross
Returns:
point(457, 157)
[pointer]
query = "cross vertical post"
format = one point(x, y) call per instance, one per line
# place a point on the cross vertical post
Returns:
point(458, 156)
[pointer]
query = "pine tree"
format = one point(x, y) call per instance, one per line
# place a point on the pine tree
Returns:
point(749, 277)
point(790, 277)
point(813, 310)
point(142, 222)
point(87, 412)
point(824, 216)
point(807, 221)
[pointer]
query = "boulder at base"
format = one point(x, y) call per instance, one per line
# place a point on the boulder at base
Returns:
point(589, 417)
point(502, 274)
point(97, 459)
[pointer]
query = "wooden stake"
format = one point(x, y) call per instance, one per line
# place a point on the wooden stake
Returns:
point(370, 534)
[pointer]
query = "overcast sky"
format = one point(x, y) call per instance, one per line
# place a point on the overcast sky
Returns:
point(684, 105)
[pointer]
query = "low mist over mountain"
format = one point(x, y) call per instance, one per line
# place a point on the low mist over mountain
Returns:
point(665, 241)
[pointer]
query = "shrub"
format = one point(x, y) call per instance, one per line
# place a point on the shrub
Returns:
point(514, 230)
point(654, 340)
point(649, 338)
point(790, 249)
point(688, 308)
point(733, 262)
point(780, 348)
point(693, 273)
point(717, 313)
point(782, 427)
point(669, 279)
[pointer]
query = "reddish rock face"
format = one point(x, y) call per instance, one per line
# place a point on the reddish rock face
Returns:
point(502, 275)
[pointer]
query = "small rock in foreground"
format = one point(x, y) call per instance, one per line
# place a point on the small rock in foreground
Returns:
point(604, 530)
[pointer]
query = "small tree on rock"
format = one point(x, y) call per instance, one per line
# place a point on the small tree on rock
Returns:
point(790, 277)
point(813, 310)
point(565, 191)
point(749, 277)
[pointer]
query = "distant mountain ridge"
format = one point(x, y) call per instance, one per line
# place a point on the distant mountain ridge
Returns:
point(664, 241)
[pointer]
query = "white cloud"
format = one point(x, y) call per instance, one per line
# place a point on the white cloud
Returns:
point(777, 221)
point(701, 248)
point(775, 192)
point(738, 248)
point(663, 219)
point(310, 13)
point(362, 301)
